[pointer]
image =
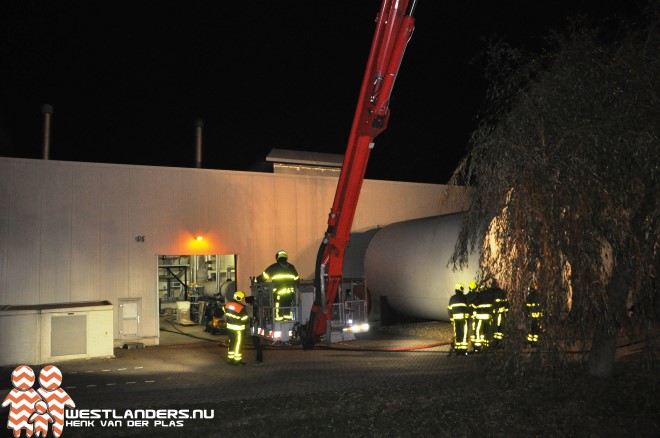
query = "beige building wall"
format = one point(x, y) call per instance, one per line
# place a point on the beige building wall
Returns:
point(68, 229)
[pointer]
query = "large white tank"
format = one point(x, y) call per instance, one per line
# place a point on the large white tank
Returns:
point(407, 262)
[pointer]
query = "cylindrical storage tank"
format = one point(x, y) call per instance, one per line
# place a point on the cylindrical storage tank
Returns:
point(407, 262)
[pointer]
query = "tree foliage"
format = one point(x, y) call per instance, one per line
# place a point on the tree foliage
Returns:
point(565, 169)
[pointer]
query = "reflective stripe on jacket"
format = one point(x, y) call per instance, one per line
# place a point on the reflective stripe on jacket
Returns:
point(279, 272)
point(458, 307)
point(236, 315)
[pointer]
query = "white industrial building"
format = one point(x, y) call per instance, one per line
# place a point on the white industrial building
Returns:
point(88, 251)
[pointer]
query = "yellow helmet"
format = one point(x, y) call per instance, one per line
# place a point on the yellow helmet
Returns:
point(239, 296)
point(472, 286)
point(281, 254)
point(459, 287)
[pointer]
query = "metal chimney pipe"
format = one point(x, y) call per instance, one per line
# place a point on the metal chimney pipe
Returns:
point(47, 110)
point(199, 124)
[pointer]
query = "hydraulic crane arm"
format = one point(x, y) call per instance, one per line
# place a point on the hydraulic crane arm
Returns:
point(394, 27)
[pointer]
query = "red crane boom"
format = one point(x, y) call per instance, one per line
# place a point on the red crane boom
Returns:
point(394, 27)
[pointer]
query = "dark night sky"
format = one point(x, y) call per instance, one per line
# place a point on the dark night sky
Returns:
point(127, 80)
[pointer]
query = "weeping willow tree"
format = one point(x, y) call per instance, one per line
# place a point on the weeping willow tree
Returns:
point(564, 169)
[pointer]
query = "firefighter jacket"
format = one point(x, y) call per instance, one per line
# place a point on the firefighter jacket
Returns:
point(500, 308)
point(458, 306)
point(533, 305)
point(280, 272)
point(500, 301)
point(236, 316)
point(483, 304)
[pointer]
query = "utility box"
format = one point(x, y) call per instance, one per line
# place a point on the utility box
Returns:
point(45, 333)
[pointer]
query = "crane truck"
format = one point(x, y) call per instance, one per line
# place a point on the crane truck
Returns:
point(394, 27)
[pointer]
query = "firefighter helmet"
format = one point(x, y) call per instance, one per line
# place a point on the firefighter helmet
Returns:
point(459, 287)
point(281, 254)
point(239, 295)
point(472, 286)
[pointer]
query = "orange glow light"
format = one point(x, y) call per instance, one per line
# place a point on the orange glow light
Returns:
point(198, 245)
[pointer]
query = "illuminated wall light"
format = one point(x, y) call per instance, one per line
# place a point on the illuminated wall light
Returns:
point(197, 244)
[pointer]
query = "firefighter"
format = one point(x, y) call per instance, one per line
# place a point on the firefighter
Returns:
point(284, 278)
point(482, 318)
point(237, 318)
point(534, 313)
point(500, 308)
point(459, 312)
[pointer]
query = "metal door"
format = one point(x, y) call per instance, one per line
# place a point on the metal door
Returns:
point(129, 317)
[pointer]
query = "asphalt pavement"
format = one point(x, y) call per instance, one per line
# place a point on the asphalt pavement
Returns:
point(190, 368)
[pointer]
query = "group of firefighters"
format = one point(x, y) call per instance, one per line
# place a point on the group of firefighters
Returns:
point(283, 276)
point(478, 316)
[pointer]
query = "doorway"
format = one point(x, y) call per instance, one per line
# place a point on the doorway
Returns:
point(191, 290)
